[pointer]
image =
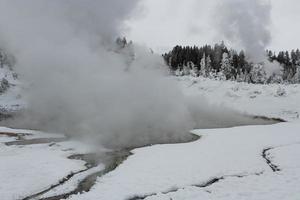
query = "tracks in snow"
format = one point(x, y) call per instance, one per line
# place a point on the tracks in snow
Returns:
point(266, 157)
point(110, 164)
point(208, 183)
point(265, 154)
point(111, 160)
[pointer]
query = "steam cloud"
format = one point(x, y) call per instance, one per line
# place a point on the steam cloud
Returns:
point(80, 84)
point(247, 24)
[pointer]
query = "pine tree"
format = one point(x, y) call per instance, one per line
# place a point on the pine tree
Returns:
point(296, 78)
point(2, 58)
point(298, 57)
point(209, 62)
point(186, 70)
point(194, 69)
point(203, 65)
point(258, 74)
point(208, 66)
point(226, 68)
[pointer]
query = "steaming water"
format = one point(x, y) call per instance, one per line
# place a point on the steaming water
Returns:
point(79, 82)
point(113, 159)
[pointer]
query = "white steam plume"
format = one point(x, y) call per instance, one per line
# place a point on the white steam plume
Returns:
point(246, 23)
point(78, 85)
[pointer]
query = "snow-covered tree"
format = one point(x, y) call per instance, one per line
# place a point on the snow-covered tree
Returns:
point(275, 72)
point(214, 75)
point(194, 71)
point(276, 78)
point(4, 85)
point(209, 58)
point(6, 59)
point(186, 69)
point(296, 78)
point(178, 72)
point(258, 74)
point(241, 77)
point(203, 65)
point(226, 67)
point(208, 66)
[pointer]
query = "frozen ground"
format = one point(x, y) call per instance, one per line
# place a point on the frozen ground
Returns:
point(235, 156)
point(267, 100)
point(29, 169)
point(252, 162)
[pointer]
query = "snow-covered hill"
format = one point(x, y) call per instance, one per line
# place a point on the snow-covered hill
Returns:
point(252, 162)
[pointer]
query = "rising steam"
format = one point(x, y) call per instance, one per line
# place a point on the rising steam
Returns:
point(247, 24)
point(81, 84)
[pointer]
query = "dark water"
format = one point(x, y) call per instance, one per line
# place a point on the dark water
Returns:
point(36, 141)
point(112, 159)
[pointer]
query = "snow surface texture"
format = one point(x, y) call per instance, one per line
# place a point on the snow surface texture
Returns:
point(72, 184)
point(230, 161)
point(279, 101)
point(234, 154)
point(29, 169)
point(252, 162)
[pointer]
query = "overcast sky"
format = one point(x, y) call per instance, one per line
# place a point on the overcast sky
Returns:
point(161, 24)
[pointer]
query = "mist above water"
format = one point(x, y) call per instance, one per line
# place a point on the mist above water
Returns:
point(79, 82)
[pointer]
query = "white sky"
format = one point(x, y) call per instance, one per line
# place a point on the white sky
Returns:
point(162, 24)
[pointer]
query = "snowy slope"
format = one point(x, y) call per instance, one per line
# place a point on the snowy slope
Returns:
point(242, 158)
point(234, 153)
point(251, 162)
point(280, 101)
point(29, 169)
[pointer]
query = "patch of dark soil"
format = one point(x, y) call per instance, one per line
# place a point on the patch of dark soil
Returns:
point(18, 136)
point(111, 160)
point(208, 183)
point(36, 141)
point(267, 119)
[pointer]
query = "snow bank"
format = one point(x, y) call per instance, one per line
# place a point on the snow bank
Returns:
point(220, 152)
point(274, 100)
point(234, 155)
point(29, 169)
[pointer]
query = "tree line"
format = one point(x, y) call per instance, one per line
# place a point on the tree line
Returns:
point(220, 62)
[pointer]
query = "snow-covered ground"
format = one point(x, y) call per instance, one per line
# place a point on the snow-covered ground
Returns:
point(234, 155)
point(29, 169)
point(280, 101)
point(251, 162)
